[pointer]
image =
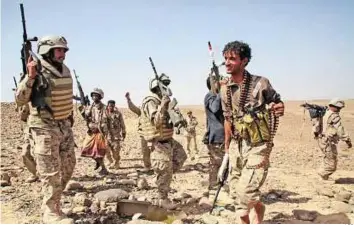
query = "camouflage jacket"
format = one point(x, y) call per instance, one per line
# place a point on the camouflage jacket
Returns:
point(191, 124)
point(260, 94)
point(96, 118)
point(330, 126)
point(134, 108)
point(116, 125)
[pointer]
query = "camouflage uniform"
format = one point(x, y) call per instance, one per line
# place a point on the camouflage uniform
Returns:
point(216, 153)
point(331, 130)
point(27, 155)
point(115, 135)
point(52, 136)
point(249, 162)
point(143, 144)
point(191, 132)
point(167, 155)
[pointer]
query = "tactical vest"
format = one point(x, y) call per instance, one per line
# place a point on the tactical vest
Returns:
point(252, 126)
point(57, 95)
point(151, 131)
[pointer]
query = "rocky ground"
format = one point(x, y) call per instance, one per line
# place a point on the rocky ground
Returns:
point(292, 192)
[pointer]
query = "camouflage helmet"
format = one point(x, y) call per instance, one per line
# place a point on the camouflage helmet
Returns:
point(165, 79)
point(98, 91)
point(337, 103)
point(189, 112)
point(153, 84)
point(46, 43)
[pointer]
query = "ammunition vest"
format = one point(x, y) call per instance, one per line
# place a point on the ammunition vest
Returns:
point(151, 131)
point(57, 95)
point(254, 128)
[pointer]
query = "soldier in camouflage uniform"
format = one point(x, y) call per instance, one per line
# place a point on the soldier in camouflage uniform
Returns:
point(248, 155)
point(329, 130)
point(49, 123)
point(167, 155)
point(97, 122)
point(144, 148)
point(191, 132)
point(116, 134)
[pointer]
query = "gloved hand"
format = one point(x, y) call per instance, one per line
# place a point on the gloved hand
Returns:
point(224, 166)
point(124, 135)
point(349, 143)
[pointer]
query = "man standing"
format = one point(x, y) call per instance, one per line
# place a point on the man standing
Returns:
point(49, 123)
point(215, 134)
point(244, 101)
point(191, 133)
point(167, 155)
point(116, 134)
point(143, 144)
point(95, 143)
point(330, 130)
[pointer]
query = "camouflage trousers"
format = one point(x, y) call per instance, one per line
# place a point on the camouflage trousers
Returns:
point(113, 153)
point(249, 169)
point(53, 148)
point(27, 155)
point(329, 160)
point(216, 153)
point(166, 158)
point(189, 138)
point(145, 150)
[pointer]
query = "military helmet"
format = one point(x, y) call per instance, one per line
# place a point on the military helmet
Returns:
point(46, 43)
point(337, 103)
point(189, 112)
point(165, 79)
point(153, 84)
point(98, 91)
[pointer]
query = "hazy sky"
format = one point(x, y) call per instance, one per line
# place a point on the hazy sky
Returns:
point(306, 48)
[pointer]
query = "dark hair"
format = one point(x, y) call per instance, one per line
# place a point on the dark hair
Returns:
point(208, 83)
point(240, 48)
point(111, 102)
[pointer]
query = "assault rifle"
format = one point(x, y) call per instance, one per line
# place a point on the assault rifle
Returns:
point(214, 74)
point(26, 45)
point(221, 184)
point(316, 111)
point(175, 114)
point(84, 100)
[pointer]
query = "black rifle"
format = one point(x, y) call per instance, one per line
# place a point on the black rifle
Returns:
point(214, 70)
point(221, 184)
point(84, 100)
point(26, 45)
point(316, 111)
point(14, 89)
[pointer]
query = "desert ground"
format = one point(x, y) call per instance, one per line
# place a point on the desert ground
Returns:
point(292, 193)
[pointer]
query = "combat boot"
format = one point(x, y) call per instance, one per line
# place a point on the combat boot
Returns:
point(52, 215)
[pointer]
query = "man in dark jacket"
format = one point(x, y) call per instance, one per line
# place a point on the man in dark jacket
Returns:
point(214, 135)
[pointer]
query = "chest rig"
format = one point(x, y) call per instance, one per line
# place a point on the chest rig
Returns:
point(255, 126)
